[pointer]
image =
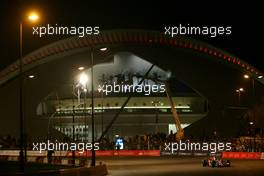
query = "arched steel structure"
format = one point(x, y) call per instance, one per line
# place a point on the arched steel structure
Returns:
point(139, 37)
point(187, 59)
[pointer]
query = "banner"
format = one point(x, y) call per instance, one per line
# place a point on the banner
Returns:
point(242, 155)
point(117, 153)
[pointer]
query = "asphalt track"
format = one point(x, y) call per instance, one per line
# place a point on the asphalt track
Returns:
point(183, 166)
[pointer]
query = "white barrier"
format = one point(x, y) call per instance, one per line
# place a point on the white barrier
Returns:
point(262, 155)
point(12, 158)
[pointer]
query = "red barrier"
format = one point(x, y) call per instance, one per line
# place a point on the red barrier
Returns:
point(117, 153)
point(104, 153)
point(128, 153)
point(242, 155)
point(40, 156)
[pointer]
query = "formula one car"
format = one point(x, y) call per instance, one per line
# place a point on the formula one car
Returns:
point(216, 162)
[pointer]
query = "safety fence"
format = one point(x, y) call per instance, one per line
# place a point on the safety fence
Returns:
point(66, 157)
point(243, 155)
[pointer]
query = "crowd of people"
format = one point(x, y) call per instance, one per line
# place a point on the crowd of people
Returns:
point(137, 142)
point(248, 144)
point(8, 142)
point(156, 141)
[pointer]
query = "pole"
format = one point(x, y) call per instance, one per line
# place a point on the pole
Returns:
point(239, 97)
point(102, 114)
point(156, 120)
point(73, 129)
point(92, 99)
point(21, 116)
point(85, 118)
point(78, 94)
point(85, 133)
point(73, 134)
point(253, 90)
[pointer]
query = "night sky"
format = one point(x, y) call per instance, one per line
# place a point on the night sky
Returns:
point(246, 21)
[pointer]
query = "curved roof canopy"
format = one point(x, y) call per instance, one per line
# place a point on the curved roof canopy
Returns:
point(134, 37)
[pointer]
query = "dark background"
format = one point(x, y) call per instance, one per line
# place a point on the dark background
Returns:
point(246, 21)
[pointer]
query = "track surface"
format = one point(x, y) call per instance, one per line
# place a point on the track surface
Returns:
point(171, 166)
